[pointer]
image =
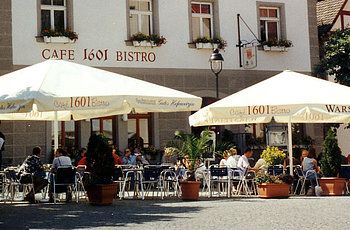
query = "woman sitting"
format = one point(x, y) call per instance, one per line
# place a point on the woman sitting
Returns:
point(309, 164)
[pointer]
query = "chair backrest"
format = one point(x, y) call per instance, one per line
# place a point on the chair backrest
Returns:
point(218, 171)
point(299, 171)
point(275, 170)
point(11, 174)
point(345, 172)
point(65, 175)
point(151, 173)
point(118, 174)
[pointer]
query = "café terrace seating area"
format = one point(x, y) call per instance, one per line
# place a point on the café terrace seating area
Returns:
point(153, 182)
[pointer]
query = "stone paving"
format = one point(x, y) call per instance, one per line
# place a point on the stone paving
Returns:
point(233, 213)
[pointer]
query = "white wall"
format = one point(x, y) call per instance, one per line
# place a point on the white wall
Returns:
point(103, 26)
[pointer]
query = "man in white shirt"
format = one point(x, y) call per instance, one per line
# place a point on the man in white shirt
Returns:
point(243, 162)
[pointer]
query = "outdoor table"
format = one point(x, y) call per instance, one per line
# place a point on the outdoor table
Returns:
point(138, 175)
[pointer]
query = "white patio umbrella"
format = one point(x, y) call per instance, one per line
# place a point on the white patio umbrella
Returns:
point(60, 90)
point(288, 97)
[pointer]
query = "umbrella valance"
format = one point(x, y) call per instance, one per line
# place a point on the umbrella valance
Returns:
point(79, 92)
point(288, 96)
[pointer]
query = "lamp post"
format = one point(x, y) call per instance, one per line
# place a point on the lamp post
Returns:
point(216, 61)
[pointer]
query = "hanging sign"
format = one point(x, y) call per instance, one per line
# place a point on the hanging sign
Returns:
point(249, 57)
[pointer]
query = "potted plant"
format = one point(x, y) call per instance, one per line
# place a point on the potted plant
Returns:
point(280, 45)
point(143, 40)
point(210, 43)
point(56, 36)
point(100, 163)
point(191, 149)
point(330, 163)
point(273, 186)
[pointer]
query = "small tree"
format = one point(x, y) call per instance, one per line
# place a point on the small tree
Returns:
point(336, 57)
point(100, 159)
point(331, 156)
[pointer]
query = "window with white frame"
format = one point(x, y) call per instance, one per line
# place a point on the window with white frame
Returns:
point(270, 28)
point(53, 15)
point(141, 17)
point(202, 19)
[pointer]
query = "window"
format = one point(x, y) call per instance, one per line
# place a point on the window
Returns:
point(53, 15)
point(270, 28)
point(67, 135)
point(104, 125)
point(139, 126)
point(202, 20)
point(141, 17)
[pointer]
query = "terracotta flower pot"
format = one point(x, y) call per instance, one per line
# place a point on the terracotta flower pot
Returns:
point(190, 190)
point(332, 186)
point(269, 190)
point(102, 194)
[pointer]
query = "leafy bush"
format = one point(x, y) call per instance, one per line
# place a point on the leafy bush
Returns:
point(100, 159)
point(280, 179)
point(216, 40)
point(331, 155)
point(154, 38)
point(275, 42)
point(56, 33)
point(272, 155)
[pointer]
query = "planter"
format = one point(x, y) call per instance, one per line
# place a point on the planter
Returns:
point(275, 48)
point(102, 194)
point(143, 44)
point(190, 190)
point(200, 45)
point(267, 190)
point(60, 39)
point(332, 186)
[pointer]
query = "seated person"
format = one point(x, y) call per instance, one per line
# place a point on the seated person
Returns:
point(286, 162)
point(224, 159)
point(117, 159)
point(82, 161)
point(170, 156)
point(140, 160)
point(32, 165)
point(261, 166)
point(129, 159)
point(310, 163)
point(243, 162)
point(304, 154)
point(61, 159)
point(233, 158)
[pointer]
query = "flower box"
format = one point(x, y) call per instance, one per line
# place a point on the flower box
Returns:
point(270, 190)
point(275, 48)
point(143, 44)
point(60, 39)
point(207, 45)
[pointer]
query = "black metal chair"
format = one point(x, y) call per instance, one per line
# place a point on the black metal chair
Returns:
point(275, 170)
point(345, 173)
point(118, 178)
point(63, 179)
point(219, 176)
point(152, 179)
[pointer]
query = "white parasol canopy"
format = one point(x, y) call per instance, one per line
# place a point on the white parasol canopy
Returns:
point(288, 97)
point(60, 90)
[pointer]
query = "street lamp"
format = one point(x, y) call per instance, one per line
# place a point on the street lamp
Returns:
point(216, 61)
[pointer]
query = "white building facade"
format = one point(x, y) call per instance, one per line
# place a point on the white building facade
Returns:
point(105, 30)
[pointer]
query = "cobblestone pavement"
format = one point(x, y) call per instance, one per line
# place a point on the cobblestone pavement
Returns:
point(233, 213)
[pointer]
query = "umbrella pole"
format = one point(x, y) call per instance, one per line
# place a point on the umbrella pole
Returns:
point(55, 131)
point(290, 146)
